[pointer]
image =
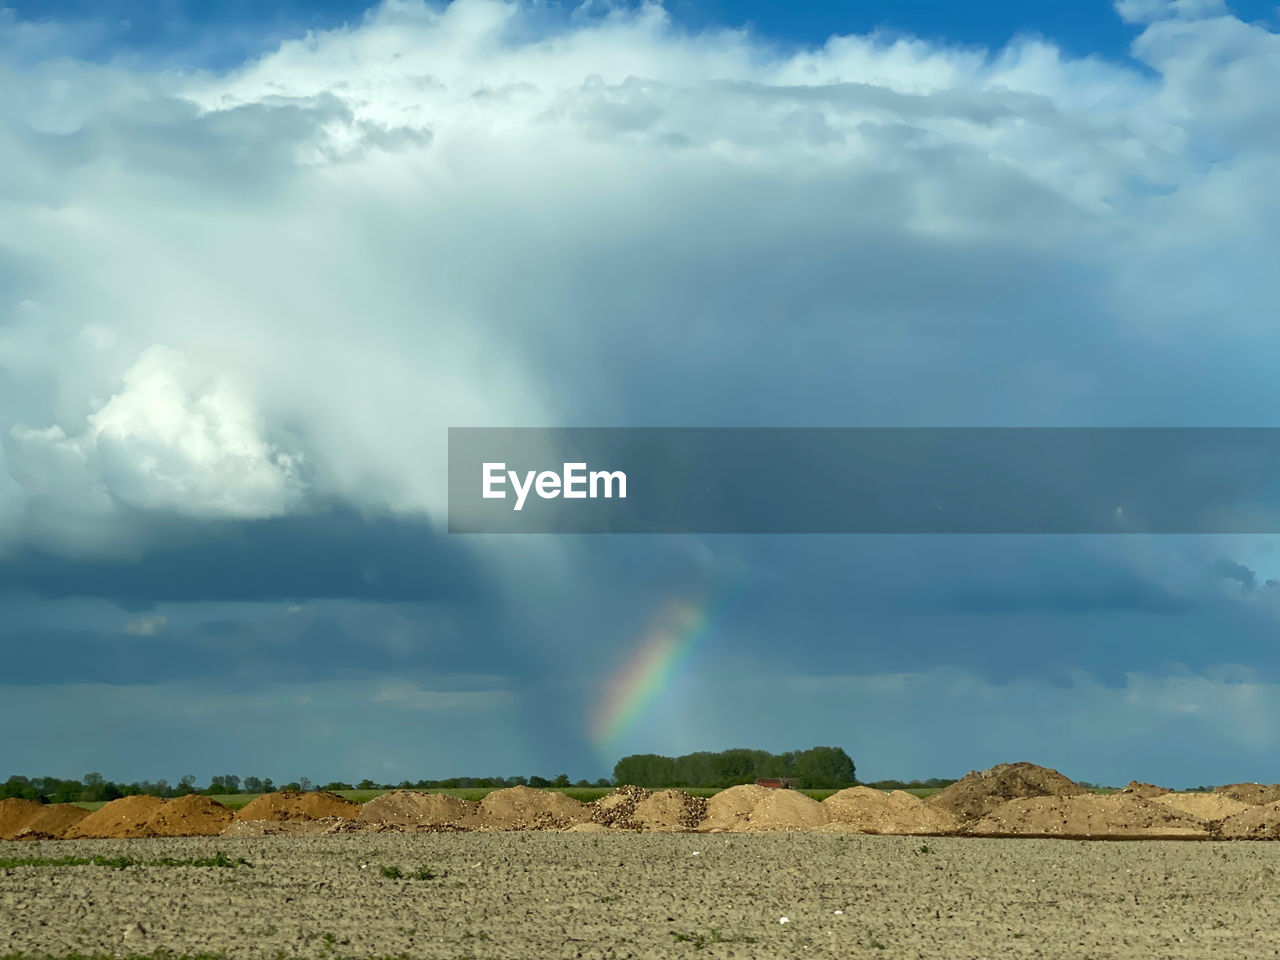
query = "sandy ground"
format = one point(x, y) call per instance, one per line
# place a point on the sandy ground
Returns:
point(571, 895)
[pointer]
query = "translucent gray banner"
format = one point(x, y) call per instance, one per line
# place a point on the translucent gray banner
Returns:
point(864, 480)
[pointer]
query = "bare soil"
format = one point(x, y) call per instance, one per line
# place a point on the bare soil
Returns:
point(1255, 823)
point(515, 896)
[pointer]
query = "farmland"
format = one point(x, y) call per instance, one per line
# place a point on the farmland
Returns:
point(554, 894)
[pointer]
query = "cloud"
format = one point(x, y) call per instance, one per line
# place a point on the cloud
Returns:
point(239, 309)
point(165, 442)
point(1230, 570)
point(1147, 11)
point(147, 626)
point(316, 261)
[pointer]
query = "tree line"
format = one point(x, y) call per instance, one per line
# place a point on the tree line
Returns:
point(93, 787)
point(817, 767)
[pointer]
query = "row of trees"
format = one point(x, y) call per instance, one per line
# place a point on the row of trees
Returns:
point(95, 787)
point(816, 767)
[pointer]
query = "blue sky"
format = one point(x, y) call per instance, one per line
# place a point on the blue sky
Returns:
point(256, 260)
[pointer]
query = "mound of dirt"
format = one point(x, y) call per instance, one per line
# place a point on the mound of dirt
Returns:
point(1144, 790)
point(15, 814)
point(730, 808)
point(980, 792)
point(1089, 815)
point(1256, 794)
point(1210, 807)
point(785, 810)
point(52, 822)
point(874, 811)
point(292, 805)
point(427, 811)
point(120, 819)
point(189, 816)
point(750, 809)
point(524, 808)
point(618, 809)
point(670, 810)
point(1255, 822)
point(296, 828)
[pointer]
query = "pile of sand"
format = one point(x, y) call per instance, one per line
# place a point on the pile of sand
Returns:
point(52, 822)
point(292, 805)
point(1207, 806)
point(142, 816)
point(524, 808)
point(410, 810)
point(617, 809)
point(15, 814)
point(729, 808)
point(980, 792)
point(120, 819)
point(873, 811)
point(189, 816)
point(670, 810)
point(1255, 794)
point(1146, 791)
point(749, 809)
point(1088, 815)
point(1261, 822)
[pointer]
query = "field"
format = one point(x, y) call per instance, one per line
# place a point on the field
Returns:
point(553, 895)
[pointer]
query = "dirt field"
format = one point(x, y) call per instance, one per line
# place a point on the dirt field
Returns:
point(572, 895)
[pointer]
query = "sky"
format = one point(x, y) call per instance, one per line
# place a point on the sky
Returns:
point(255, 260)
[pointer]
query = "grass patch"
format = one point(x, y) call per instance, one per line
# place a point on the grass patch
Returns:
point(119, 863)
point(700, 940)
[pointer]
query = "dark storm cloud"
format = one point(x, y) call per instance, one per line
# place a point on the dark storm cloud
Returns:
point(1230, 570)
point(338, 554)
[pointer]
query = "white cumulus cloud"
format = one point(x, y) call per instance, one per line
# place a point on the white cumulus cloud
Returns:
point(468, 215)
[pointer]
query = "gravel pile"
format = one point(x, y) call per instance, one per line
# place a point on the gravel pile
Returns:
point(617, 810)
point(1256, 794)
point(524, 808)
point(981, 792)
point(1089, 815)
point(410, 810)
point(670, 811)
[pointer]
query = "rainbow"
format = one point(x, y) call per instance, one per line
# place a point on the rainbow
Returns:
point(664, 649)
